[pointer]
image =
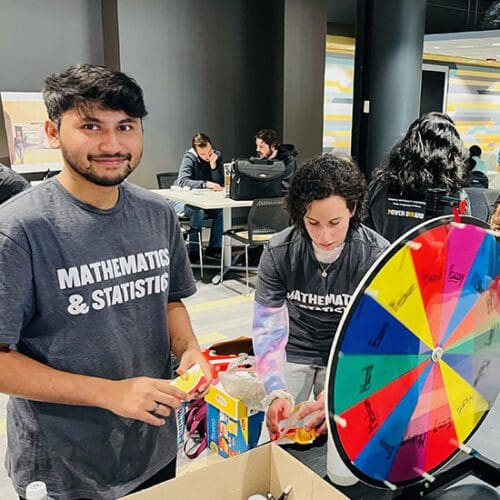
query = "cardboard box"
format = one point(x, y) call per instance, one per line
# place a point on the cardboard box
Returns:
point(231, 427)
point(265, 468)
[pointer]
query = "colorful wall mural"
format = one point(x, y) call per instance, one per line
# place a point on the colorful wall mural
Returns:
point(473, 99)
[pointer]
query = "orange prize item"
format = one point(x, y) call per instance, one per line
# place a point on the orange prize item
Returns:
point(294, 429)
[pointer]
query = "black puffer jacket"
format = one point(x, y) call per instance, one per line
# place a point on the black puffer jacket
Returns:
point(10, 183)
point(287, 154)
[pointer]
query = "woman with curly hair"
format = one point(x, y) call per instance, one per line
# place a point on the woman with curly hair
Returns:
point(431, 155)
point(305, 280)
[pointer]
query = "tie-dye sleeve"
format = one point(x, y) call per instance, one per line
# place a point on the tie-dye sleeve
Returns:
point(270, 336)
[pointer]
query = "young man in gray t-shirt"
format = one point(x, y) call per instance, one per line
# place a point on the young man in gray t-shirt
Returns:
point(92, 273)
point(306, 278)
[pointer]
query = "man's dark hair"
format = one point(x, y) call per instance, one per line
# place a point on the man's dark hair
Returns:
point(475, 150)
point(200, 141)
point(322, 177)
point(87, 85)
point(431, 155)
point(270, 137)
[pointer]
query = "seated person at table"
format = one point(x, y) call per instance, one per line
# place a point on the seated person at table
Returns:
point(305, 280)
point(268, 147)
point(202, 167)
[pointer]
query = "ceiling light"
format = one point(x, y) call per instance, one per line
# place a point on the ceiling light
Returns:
point(465, 46)
point(496, 44)
point(436, 47)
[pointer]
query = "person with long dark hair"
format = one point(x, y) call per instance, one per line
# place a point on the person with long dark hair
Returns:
point(431, 155)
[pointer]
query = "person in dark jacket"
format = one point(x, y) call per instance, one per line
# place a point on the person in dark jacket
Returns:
point(11, 183)
point(268, 147)
point(430, 156)
point(202, 168)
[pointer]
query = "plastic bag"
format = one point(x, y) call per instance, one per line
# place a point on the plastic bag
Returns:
point(241, 381)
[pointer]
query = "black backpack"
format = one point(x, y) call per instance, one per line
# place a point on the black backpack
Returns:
point(477, 179)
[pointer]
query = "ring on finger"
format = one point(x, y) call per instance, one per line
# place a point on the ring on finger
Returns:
point(156, 407)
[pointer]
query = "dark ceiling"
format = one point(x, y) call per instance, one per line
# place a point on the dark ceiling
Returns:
point(443, 16)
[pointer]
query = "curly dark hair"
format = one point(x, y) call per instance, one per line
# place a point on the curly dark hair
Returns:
point(324, 176)
point(87, 85)
point(431, 155)
point(269, 136)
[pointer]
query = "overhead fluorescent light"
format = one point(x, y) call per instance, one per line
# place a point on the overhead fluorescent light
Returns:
point(465, 46)
point(436, 47)
point(496, 44)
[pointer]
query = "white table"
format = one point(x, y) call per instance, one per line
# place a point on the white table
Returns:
point(208, 199)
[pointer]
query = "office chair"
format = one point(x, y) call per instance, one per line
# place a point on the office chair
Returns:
point(482, 201)
point(267, 217)
point(165, 181)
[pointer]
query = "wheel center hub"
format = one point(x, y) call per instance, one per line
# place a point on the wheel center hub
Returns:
point(437, 354)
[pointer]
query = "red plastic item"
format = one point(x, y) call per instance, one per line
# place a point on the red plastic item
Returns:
point(219, 362)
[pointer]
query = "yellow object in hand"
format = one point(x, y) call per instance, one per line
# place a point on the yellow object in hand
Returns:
point(191, 380)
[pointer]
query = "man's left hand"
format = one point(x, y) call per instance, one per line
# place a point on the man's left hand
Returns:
point(191, 357)
point(213, 160)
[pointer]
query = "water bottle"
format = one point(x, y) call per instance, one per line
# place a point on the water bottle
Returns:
point(337, 471)
point(37, 490)
point(180, 417)
point(228, 167)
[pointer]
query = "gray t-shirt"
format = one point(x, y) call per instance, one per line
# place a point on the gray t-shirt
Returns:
point(290, 273)
point(84, 290)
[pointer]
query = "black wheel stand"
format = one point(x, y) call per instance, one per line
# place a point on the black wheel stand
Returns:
point(475, 465)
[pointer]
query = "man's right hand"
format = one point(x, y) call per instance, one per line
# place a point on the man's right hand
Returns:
point(278, 410)
point(214, 186)
point(138, 397)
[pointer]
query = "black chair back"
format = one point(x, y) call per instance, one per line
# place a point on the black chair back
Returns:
point(166, 179)
point(482, 201)
point(267, 216)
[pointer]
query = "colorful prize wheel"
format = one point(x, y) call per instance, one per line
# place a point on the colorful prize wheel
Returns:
point(415, 366)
